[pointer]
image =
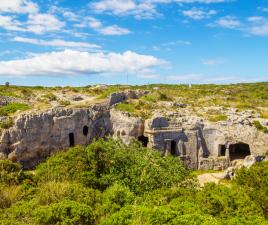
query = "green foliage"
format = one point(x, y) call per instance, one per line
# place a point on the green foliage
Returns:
point(216, 118)
point(260, 127)
point(7, 123)
point(110, 183)
point(50, 96)
point(126, 107)
point(255, 182)
point(64, 102)
point(11, 173)
point(115, 197)
point(65, 212)
point(105, 162)
point(12, 108)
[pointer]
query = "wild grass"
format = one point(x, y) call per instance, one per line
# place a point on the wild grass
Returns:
point(12, 108)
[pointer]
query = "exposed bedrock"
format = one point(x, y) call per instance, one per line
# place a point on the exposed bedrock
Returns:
point(35, 136)
point(200, 144)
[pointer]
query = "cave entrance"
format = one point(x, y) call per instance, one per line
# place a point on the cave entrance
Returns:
point(239, 151)
point(173, 148)
point(144, 140)
point(85, 130)
point(222, 150)
point(71, 139)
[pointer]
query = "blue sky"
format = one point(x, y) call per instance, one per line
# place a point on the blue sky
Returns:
point(85, 42)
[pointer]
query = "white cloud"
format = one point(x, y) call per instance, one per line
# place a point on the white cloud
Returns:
point(198, 14)
point(258, 26)
point(9, 23)
point(42, 23)
point(143, 9)
point(170, 45)
point(71, 62)
point(18, 6)
point(114, 30)
point(230, 22)
point(100, 28)
point(56, 43)
point(139, 9)
point(254, 25)
point(178, 42)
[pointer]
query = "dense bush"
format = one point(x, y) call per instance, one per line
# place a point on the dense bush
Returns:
point(105, 162)
point(111, 183)
point(255, 182)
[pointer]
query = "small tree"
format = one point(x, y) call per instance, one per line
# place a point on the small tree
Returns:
point(7, 84)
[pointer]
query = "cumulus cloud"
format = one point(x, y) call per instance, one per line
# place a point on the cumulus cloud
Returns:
point(98, 26)
point(10, 23)
point(70, 62)
point(56, 43)
point(138, 9)
point(254, 25)
point(18, 6)
point(198, 14)
point(258, 26)
point(230, 22)
point(37, 23)
point(40, 23)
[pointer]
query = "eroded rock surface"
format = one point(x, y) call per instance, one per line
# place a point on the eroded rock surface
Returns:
point(199, 143)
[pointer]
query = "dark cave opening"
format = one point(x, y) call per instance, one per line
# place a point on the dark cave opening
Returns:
point(144, 140)
point(222, 150)
point(239, 151)
point(173, 148)
point(71, 139)
point(85, 130)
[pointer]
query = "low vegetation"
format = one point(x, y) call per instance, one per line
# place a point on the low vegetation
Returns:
point(12, 108)
point(260, 127)
point(242, 96)
point(111, 183)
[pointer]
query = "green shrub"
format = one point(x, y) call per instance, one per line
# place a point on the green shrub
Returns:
point(126, 107)
point(64, 102)
point(217, 118)
point(255, 181)
point(104, 163)
point(65, 212)
point(11, 173)
point(260, 127)
point(115, 197)
point(7, 123)
point(54, 192)
point(50, 96)
point(12, 108)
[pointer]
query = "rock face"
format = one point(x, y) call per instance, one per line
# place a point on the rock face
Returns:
point(204, 145)
point(126, 127)
point(199, 143)
point(35, 136)
point(5, 100)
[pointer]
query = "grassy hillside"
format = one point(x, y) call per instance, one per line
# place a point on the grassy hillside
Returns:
point(241, 96)
point(111, 183)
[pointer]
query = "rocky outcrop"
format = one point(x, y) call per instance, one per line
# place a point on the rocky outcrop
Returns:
point(5, 100)
point(35, 136)
point(126, 127)
point(123, 96)
point(198, 142)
